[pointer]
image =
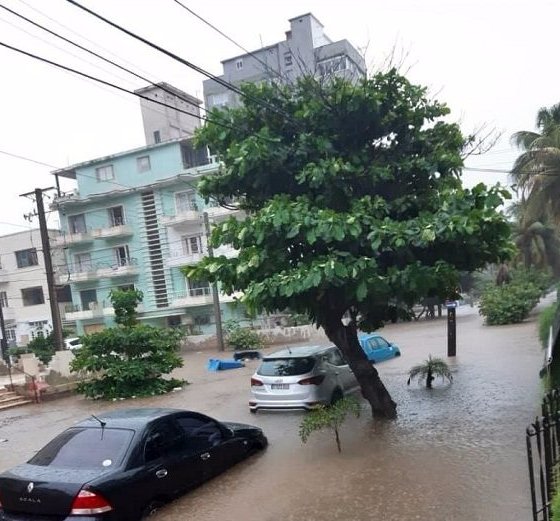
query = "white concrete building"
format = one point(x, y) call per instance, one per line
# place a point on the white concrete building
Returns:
point(23, 286)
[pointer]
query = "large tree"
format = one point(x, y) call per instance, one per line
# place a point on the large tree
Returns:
point(355, 208)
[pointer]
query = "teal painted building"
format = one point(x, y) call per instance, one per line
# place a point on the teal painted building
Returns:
point(133, 221)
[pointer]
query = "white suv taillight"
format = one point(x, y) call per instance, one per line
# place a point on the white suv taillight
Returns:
point(88, 503)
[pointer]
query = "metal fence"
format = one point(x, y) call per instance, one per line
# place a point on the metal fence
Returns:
point(543, 455)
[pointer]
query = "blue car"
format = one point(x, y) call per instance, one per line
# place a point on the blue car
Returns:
point(377, 348)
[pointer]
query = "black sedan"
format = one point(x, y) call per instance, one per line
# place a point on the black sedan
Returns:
point(123, 465)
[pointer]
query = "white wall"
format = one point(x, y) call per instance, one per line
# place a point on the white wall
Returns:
point(14, 279)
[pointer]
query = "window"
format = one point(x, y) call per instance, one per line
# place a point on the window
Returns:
point(332, 65)
point(163, 440)
point(11, 335)
point(122, 256)
point(218, 100)
point(193, 244)
point(157, 136)
point(26, 258)
point(202, 320)
point(82, 262)
point(104, 173)
point(382, 343)
point(3, 299)
point(116, 216)
point(239, 64)
point(334, 357)
point(32, 296)
point(198, 288)
point(286, 366)
point(85, 448)
point(288, 59)
point(186, 202)
point(200, 434)
point(88, 298)
point(143, 164)
point(77, 223)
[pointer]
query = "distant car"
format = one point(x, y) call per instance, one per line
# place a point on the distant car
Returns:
point(72, 343)
point(377, 348)
point(301, 378)
point(123, 465)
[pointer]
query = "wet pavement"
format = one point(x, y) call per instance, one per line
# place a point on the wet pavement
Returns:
point(455, 453)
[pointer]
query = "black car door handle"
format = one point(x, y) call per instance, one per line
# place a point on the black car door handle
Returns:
point(161, 473)
point(205, 456)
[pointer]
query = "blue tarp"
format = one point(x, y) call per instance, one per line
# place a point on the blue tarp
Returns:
point(214, 364)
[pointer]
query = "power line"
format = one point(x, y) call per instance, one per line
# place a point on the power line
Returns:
point(252, 54)
point(27, 159)
point(189, 64)
point(97, 55)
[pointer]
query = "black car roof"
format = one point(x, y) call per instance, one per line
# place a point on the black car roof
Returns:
point(128, 418)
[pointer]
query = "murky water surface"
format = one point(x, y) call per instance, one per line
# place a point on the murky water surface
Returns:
point(455, 453)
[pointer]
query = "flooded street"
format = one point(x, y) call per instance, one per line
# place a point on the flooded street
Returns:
point(454, 453)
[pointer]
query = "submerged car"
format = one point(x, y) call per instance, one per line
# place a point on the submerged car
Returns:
point(123, 465)
point(301, 378)
point(377, 348)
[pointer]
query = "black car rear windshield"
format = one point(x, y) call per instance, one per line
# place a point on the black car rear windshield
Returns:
point(286, 366)
point(85, 448)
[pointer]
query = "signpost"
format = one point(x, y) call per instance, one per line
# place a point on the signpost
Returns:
point(451, 306)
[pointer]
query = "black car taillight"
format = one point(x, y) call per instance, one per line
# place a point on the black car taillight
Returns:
point(314, 380)
point(88, 503)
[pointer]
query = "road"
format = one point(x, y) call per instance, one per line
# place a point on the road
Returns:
point(456, 453)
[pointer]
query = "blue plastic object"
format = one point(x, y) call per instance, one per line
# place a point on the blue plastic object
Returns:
point(214, 364)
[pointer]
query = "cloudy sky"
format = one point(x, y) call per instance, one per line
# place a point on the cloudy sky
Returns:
point(492, 61)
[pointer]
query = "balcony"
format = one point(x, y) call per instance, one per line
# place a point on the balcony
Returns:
point(182, 217)
point(178, 258)
point(81, 272)
point(219, 212)
point(192, 297)
point(92, 310)
point(89, 271)
point(79, 312)
point(9, 314)
point(122, 268)
point(116, 229)
point(68, 238)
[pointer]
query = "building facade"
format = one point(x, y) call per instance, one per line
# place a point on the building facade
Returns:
point(307, 50)
point(179, 117)
point(23, 286)
point(134, 221)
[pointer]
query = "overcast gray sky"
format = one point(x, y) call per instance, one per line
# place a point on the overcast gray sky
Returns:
point(492, 61)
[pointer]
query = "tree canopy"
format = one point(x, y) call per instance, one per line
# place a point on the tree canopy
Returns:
point(354, 205)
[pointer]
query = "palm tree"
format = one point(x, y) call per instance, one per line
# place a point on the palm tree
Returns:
point(537, 241)
point(429, 369)
point(536, 171)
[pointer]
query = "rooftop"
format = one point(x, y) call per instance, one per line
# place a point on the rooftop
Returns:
point(170, 88)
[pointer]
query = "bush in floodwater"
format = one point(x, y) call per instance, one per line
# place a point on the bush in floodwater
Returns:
point(329, 417)
point(429, 369)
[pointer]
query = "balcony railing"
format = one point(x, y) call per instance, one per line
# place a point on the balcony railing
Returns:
point(115, 228)
point(92, 270)
point(75, 236)
point(193, 297)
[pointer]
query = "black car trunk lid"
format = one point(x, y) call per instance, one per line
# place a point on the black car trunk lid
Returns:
point(42, 490)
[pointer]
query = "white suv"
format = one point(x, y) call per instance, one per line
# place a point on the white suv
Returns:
point(301, 378)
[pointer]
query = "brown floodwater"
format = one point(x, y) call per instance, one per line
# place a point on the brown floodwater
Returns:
point(456, 452)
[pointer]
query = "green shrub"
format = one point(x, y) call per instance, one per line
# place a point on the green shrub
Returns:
point(555, 507)
point(329, 417)
point(43, 347)
point(129, 359)
point(242, 338)
point(546, 319)
point(510, 303)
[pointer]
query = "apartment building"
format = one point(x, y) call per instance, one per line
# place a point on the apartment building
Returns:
point(134, 220)
point(23, 286)
point(306, 50)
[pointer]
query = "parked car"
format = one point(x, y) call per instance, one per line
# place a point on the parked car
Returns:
point(123, 465)
point(377, 348)
point(72, 343)
point(301, 378)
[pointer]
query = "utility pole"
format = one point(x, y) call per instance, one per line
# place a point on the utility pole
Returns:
point(45, 241)
point(4, 346)
point(215, 294)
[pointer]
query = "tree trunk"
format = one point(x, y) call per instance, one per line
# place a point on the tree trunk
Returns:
point(373, 390)
point(337, 439)
point(429, 379)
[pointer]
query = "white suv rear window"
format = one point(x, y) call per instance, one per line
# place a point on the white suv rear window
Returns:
point(286, 366)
